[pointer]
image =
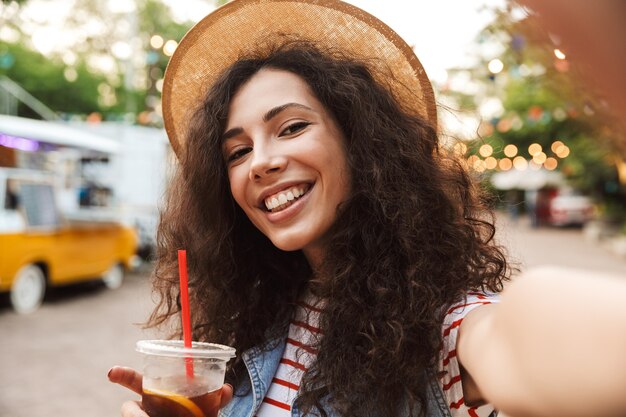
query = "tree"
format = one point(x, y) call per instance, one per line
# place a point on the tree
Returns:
point(543, 102)
point(45, 79)
point(110, 68)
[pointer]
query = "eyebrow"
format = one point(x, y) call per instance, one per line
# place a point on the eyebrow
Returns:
point(269, 115)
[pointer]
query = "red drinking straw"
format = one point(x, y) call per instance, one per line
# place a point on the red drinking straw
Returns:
point(184, 301)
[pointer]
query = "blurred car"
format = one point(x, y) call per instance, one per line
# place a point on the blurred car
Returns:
point(570, 210)
point(40, 248)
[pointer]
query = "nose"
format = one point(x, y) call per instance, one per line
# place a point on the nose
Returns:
point(266, 161)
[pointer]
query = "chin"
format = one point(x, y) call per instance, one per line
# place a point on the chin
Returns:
point(287, 246)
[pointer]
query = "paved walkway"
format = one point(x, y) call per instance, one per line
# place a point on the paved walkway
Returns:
point(556, 246)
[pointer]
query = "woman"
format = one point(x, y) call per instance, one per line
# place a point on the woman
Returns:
point(333, 242)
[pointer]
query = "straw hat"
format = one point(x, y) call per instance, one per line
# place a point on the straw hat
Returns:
point(240, 26)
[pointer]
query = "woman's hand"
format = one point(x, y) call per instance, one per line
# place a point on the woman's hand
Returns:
point(131, 379)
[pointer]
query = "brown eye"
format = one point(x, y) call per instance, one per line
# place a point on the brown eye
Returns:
point(238, 153)
point(294, 128)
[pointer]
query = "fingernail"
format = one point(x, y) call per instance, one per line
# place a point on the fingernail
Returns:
point(109, 373)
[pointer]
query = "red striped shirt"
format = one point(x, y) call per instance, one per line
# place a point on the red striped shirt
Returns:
point(450, 382)
point(298, 355)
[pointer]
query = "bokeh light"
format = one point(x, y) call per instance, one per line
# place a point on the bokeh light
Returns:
point(169, 47)
point(520, 163)
point(121, 50)
point(495, 66)
point(156, 41)
point(485, 150)
point(534, 149)
point(70, 74)
point(539, 157)
point(563, 152)
point(551, 164)
point(491, 163)
point(510, 150)
point(556, 146)
point(505, 164)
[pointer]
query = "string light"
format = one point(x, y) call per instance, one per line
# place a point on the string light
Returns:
point(505, 164)
point(510, 150)
point(491, 163)
point(551, 164)
point(520, 163)
point(485, 150)
point(534, 149)
point(563, 152)
point(556, 145)
point(539, 158)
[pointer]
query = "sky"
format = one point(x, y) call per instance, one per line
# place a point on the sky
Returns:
point(441, 31)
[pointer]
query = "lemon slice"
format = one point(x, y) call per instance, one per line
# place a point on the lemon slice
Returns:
point(177, 398)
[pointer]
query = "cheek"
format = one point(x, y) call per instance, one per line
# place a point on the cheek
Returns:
point(237, 186)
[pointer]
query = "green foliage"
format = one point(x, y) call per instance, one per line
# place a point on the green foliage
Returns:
point(44, 78)
point(544, 101)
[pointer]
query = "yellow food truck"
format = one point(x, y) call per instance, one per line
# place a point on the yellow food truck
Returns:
point(40, 248)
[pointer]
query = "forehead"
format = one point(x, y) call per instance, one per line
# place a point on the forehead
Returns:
point(269, 88)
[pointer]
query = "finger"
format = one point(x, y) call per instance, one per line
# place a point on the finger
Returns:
point(133, 409)
point(227, 394)
point(127, 377)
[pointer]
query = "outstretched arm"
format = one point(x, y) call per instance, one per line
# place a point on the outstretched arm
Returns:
point(554, 345)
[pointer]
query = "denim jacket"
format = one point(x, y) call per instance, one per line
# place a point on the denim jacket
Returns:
point(262, 365)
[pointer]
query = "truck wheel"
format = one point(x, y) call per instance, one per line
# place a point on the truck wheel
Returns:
point(114, 277)
point(28, 289)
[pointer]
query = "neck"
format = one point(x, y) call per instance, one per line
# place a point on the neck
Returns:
point(314, 256)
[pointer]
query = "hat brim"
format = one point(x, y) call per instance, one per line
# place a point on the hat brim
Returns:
point(238, 27)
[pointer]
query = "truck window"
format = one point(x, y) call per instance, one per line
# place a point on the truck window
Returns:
point(39, 205)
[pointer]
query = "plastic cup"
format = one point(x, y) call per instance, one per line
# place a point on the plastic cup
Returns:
point(170, 389)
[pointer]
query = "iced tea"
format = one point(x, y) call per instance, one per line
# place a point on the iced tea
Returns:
point(167, 404)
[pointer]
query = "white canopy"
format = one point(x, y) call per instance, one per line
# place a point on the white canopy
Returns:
point(57, 133)
point(528, 179)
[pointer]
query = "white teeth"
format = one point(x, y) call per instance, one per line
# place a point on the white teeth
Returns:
point(283, 198)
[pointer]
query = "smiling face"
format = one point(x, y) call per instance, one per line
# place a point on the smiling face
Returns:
point(286, 162)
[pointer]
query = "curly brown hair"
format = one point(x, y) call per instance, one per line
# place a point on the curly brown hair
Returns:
point(412, 238)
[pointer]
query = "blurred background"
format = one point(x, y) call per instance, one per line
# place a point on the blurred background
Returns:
point(530, 93)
